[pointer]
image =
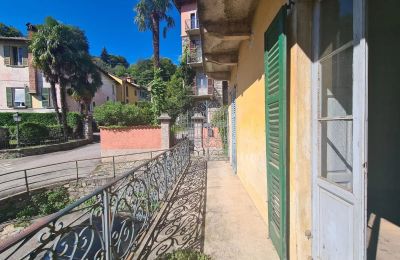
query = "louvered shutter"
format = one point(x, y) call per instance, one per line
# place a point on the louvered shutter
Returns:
point(9, 95)
point(210, 86)
point(45, 97)
point(28, 98)
point(24, 55)
point(7, 59)
point(275, 77)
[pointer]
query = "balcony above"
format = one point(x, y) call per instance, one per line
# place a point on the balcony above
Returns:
point(192, 27)
point(222, 32)
point(194, 58)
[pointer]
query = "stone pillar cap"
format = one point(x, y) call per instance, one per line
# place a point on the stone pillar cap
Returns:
point(164, 116)
point(198, 116)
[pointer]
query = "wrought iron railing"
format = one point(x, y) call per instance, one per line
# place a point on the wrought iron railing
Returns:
point(192, 24)
point(26, 180)
point(108, 223)
point(194, 55)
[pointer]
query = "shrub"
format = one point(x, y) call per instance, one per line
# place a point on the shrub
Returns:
point(117, 114)
point(75, 122)
point(6, 118)
point(45, 203)
point(184, 254)
point(33, 133)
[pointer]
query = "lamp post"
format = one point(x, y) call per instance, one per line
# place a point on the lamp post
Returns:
point(17, 119)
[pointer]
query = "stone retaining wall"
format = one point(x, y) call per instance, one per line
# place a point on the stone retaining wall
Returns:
point(42, 149)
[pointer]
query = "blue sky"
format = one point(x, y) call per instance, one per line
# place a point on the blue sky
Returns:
point(106, 23)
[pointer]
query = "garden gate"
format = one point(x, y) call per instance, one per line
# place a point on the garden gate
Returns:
point(210, 137)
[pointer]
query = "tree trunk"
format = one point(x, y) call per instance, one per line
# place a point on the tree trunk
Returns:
point(63, 110)
point(156, 39)
point(55, 101)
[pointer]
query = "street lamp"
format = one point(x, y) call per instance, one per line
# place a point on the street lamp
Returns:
point(17, 119)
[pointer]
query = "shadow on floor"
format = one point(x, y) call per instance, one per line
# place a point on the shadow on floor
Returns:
point(181, 225)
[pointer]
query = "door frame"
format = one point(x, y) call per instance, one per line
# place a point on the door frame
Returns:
point(360, 128)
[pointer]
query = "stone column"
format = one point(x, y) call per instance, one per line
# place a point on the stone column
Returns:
point(198, 120)
point(165, 121)
point(87, 128)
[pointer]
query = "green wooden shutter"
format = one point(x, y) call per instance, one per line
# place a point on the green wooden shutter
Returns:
point(28, 98)
point(7, 59)
point(9, 94)
point(275, 77)
point(45, 97)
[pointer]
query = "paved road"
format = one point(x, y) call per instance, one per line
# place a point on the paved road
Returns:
point(38, 177)
point(87, 151)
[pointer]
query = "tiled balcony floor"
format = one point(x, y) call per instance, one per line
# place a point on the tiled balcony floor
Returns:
point(210, 211)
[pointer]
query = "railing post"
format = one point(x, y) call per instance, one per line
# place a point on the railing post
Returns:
point(26, 181)
point(77, 170)
point(165, 121)
point(114, 165)
point(198, 120)
point(106, 224)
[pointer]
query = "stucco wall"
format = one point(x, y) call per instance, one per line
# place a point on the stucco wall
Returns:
point(250, 108)
point(251, 136)
point(16, 77)
point(299, 114)
point(130, 138)
point(186, 10)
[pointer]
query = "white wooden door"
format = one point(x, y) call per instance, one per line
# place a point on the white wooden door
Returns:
point(339, 130)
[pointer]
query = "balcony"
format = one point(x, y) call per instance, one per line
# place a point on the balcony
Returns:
point(172, 201)
point(194, 57)
point(192, 27)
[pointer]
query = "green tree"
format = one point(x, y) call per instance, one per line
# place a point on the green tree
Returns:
point(85, 82)
point(104, 56)
point(177, 98)
point(143, 70)
point(149, 14)
point(158, 89)
point(113, 60)
point(9, 31)
point(58, 51)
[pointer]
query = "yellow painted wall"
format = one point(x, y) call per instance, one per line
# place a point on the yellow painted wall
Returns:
point(300, 168)
point(251, 139)
point(36, 102)
point(250, 82)
point(122, 95)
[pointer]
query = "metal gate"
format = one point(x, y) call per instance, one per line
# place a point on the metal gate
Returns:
point(213, 130)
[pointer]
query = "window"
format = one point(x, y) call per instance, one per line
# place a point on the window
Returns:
point(335, 107)
point(18, 97)
point(126, 90)
point(15, 56)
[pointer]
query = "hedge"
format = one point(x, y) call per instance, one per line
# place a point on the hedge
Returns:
point(118, 114)
point(74, 119)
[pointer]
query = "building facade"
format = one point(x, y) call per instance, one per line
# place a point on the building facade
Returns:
point(313, 128)
point(204, 87)
point(24, 88)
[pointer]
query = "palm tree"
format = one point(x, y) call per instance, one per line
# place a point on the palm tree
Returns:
point(85, 83)
point(58, 51)
point(149, 14)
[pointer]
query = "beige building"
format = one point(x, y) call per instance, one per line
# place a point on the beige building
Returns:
point(313, 118)
point(24, 88)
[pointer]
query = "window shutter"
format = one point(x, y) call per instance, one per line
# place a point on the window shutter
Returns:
point(9, 94)
point(210, 86)
point(7, 59)
point(45, 97)
point(28, 98)
point(24, 56)
point(275, 105)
